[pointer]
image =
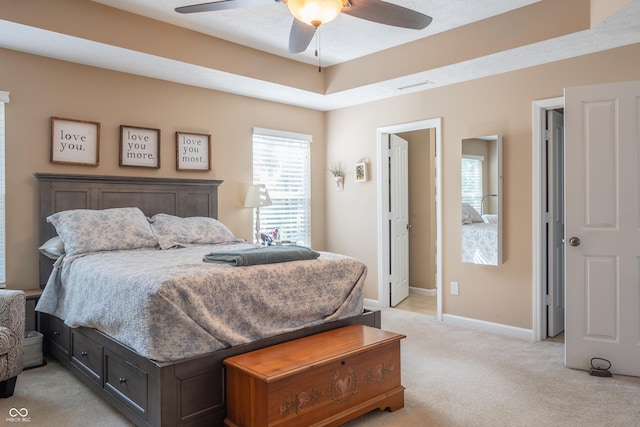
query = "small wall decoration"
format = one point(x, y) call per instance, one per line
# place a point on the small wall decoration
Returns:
point(360, 170)
point(193, 151)
point(139, 146)
point(75, 142)
point(338, 175)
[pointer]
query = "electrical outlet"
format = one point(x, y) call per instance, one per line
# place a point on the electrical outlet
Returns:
point(454, 288)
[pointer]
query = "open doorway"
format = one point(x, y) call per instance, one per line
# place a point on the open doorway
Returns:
point(387, 262)
point(548, 218)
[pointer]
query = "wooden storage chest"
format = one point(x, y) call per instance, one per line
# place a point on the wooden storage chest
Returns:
point(319, 380)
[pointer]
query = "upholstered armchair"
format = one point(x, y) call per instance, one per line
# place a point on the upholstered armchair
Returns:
point(12, 307)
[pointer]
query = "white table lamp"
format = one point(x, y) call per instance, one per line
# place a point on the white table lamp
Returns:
point(257, 197)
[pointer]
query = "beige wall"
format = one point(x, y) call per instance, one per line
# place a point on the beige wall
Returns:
point(40, 88)
point(495, 105)
point(344, 221)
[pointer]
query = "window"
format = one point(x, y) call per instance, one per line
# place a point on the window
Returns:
point(472, 181)
point(4, 98)
point(281, 163)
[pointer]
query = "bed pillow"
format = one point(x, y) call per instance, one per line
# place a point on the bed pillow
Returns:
point(52, 248)
point(469, 214)
point(490, 218)
point(174, 231)
point(86, 230)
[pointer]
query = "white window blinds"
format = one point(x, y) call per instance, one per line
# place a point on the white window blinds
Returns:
point(4, 98)
point(281, 162)
point(471, 181)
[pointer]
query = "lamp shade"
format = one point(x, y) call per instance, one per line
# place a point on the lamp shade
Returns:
point(315, 12)
point(257, 197)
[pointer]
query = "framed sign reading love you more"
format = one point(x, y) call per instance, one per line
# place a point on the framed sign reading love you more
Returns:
point(139, 147)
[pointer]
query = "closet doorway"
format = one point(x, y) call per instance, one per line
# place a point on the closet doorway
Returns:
point(548, 218)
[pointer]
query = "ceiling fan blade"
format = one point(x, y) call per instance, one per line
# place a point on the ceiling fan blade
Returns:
point(300, 36)
point(387, 13)
point(223, 5)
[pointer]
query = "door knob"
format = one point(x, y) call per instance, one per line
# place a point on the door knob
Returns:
point(574, 241)
point(409, 226)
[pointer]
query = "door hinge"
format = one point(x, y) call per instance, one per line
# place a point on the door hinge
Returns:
point(547, 217)
point(547, 135)
point(548, 299)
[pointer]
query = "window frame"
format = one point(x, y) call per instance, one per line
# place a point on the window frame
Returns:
point(300, 200)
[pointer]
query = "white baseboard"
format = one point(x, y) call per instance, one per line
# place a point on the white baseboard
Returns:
point(496, 328)
point(412, 291)
point(466, 322)
point(423, 291)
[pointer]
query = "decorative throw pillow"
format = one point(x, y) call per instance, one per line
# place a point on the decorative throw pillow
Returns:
point(52, 248)
point(174, 231)
point(469, 214)
point(87, 230)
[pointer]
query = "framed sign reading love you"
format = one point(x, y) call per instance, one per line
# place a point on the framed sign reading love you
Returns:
point(75, 142)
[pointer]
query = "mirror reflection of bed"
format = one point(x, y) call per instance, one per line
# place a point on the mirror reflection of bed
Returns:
point(481, 196)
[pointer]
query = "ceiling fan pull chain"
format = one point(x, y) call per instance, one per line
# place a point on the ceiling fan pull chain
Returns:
point(318, 50)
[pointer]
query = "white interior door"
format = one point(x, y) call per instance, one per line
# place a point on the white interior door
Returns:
point(602, 159)
point(399, 213)
point(555, 209)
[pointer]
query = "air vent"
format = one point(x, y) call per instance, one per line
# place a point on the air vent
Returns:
point(426, 82)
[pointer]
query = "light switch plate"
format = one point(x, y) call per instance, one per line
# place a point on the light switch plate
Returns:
point(454, 288)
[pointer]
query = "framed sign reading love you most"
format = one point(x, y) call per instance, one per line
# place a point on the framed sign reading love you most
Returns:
point(193, 151)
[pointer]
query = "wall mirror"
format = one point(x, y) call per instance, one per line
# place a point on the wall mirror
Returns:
point(481, 190)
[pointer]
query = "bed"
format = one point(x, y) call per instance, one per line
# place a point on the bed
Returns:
point(479, 237)
point(160, 378)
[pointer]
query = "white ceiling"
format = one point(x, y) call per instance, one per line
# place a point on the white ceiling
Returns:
point(267, 27)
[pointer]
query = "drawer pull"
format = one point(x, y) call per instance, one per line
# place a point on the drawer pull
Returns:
point(122, 380)
point(84, 354)
point(56, 333)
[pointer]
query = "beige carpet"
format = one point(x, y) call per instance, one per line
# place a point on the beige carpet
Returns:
point(54, 398)
point(453, 377)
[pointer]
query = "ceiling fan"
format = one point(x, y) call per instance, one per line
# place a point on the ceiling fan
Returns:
point(310, 14)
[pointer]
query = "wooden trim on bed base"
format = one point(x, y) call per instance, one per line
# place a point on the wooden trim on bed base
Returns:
point(190, 392)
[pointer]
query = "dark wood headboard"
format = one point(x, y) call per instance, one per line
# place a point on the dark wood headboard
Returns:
point(174, 196)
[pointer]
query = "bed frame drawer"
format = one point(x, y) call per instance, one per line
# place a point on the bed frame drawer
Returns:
point(325, 379)
point(126, 382)
point(56, 335)
point(87, 355)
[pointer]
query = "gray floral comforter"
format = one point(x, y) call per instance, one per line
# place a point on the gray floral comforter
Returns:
point(168, 304)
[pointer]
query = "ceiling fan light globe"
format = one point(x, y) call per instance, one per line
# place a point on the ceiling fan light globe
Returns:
point(315, 12)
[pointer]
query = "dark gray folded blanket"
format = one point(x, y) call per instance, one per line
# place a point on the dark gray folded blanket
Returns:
point(261, 255)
